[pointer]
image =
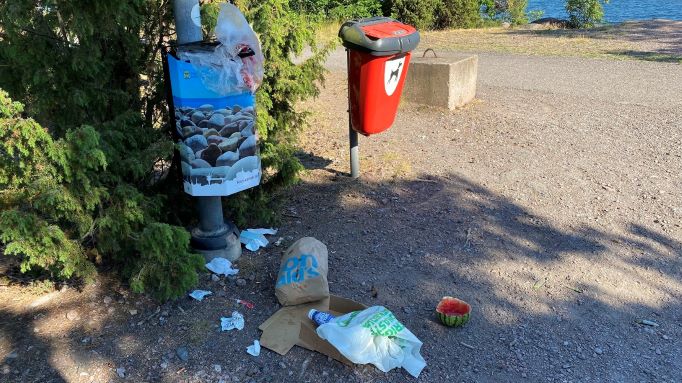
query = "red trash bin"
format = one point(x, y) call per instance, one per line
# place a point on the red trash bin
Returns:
point(379, 51)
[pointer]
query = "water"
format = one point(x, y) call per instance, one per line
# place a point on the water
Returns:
point(618, 10)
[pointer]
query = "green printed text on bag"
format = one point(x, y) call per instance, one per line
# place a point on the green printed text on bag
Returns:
point(383, 323)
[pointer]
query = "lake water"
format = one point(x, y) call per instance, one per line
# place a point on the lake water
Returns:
point(618, 10)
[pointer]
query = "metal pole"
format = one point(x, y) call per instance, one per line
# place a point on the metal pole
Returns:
point(185, 28)
point(354, 151)
point(352, 134)
point(213, 237)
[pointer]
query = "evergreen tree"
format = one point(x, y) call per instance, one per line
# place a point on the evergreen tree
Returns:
point(83, 169)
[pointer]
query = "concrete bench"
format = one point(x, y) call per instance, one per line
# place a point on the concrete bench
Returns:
point(445, 81)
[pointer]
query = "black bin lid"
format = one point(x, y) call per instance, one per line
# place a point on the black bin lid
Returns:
point(379, 36)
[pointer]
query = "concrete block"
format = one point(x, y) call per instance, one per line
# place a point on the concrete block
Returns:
point(447, 82)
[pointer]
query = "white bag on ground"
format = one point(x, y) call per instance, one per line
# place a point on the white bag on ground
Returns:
point(375, 336)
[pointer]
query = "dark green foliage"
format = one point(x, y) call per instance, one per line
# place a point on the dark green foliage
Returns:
point(347, 9)
point(338, 10)
point(47, 200)
point(435, 14)
point(516, 12)
point(313, 7)
point(168, 267)
point(86, 75)
point(458, 14)
point(511, 11)
point(419, 13)
point(66, 58)
point(584, 13)
point(83, 179)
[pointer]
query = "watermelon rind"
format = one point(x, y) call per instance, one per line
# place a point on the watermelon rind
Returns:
point(453, 320)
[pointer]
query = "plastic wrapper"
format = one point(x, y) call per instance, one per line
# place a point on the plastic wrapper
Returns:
point(238, 59)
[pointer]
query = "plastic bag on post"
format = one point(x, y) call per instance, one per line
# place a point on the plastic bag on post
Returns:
point(238, 59)
point(234, 32)
point(375, 336)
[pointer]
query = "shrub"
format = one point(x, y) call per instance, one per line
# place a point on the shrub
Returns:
point(535, 14)
point(516, 12)
point(419, 13)
point(584, 13)
point(82, 167)
point(511, 11)
point(46, 199)
point(458, 14)
point(169, 268)
point(338, 10)
point(489, 8)
point(313, 7)
point(346, 10)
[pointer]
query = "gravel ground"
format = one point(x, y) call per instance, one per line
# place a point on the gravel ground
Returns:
point(551, 204)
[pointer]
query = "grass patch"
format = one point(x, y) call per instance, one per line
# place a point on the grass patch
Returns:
point(395, 166)
point(625, 41)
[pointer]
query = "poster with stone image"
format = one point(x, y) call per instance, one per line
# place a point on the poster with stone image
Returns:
point(215, 125)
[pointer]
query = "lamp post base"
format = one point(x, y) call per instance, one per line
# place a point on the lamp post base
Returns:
point(223, 243)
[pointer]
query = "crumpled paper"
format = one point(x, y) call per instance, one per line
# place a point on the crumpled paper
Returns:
point(254, 239)
point(254, 349)
point(199, 294)
point(221, 266)
point(236, 321)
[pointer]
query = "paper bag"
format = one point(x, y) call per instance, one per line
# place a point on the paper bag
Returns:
point(302, 275)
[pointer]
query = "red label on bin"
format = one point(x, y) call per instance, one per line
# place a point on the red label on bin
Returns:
point(387, 30)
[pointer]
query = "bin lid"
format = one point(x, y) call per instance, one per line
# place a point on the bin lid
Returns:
point(379, 36)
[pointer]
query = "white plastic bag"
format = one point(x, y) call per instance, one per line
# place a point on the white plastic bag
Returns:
point(235, 69)
point(375, 336)
point(219, 71)
point(234, 32)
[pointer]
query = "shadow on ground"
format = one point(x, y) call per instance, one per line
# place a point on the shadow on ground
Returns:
point(649, 56)
point(534, 285)
point(311, 161)
point(544, 296)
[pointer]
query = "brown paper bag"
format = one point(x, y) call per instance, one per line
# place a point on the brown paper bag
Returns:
point(302, 275)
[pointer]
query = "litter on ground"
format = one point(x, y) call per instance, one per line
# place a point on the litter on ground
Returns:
point(375, 336)
point(254, 349)
point(221, 266)
point(199, 294)
point(236, 321)
point(254, 239)
point(247, 304)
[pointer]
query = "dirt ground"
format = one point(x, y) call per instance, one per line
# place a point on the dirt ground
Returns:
point(551, 204)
